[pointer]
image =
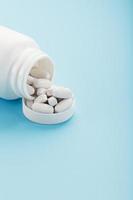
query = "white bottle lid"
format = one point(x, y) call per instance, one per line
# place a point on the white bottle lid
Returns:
point(42, 118)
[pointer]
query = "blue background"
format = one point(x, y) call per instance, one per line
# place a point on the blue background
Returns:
point(90, 156)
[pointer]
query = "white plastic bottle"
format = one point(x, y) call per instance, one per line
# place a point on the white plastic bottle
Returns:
point(18, 55)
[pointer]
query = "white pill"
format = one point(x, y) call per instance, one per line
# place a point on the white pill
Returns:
point(42, 83)
point(30, 80)
point(52, 101)
point(61, 92)
point(41, 91)
point(41, 99)
point(49, 91)
point(63, 105)
point(43, 108)
point(30, 89)
point(29, 103)
point(34, 72)
point(37, 72)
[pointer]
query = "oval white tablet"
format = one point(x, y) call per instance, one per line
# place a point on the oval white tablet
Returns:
point(36, 72)
point(30, 80)
point(41, 99)
point(43, 108)
point(63, 105)
point(41, 91)
point(42, 83)
point(49, 91)
point(30, 89)
point(61, 92)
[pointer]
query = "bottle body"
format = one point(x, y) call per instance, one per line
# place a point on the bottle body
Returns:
point(18, 54)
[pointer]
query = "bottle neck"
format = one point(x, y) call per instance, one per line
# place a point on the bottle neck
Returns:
point(30, 58)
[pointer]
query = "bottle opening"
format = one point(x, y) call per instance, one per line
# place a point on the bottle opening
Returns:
point(41, 68)
point(31, 61)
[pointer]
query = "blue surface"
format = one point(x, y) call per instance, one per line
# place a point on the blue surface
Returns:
point(90, 156)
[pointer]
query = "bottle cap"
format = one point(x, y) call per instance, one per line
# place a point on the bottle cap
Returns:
point(42, 118)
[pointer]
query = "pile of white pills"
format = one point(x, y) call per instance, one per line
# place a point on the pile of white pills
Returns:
point(47, 98)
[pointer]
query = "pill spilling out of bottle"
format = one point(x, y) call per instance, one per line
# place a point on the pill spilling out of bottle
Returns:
point(48, 98)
